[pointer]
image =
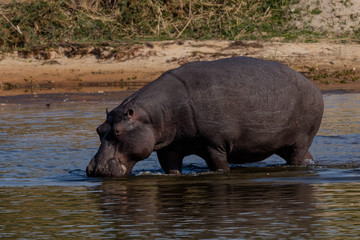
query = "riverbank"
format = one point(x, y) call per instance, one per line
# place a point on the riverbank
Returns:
point(83, 69)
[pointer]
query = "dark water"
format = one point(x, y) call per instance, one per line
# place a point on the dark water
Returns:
point(45, 194)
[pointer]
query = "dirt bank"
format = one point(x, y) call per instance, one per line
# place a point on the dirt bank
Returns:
point(78, 68)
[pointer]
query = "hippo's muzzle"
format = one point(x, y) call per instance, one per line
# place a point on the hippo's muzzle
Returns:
point(110, 168)
point(107, 161)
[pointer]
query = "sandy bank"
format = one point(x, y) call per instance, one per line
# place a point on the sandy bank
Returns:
point(127, 67)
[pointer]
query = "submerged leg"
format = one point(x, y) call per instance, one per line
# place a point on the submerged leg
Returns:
point(170, 161)
point(295, 155)
point(308, 160)
point(216, 160)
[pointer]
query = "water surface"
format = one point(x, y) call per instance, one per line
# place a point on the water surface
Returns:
point(45, 193)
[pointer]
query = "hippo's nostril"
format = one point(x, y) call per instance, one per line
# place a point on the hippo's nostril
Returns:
point(117, 132)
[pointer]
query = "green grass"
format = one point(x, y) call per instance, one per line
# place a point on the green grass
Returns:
point(316, 11)
point(45, 24)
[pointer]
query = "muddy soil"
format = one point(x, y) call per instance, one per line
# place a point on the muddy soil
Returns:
point(84, 69)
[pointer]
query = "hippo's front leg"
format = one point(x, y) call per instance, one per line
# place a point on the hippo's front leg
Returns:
point(216, 160)
point(170, 161)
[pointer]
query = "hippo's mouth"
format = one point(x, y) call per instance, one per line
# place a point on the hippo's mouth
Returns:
point(111, 168)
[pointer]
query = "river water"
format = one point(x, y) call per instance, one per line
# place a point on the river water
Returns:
point(45, 193)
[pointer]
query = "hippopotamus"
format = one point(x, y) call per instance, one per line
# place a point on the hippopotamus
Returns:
point(234, 110)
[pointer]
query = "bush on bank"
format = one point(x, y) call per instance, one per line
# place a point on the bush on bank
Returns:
point(37, 22)
point(34, 23)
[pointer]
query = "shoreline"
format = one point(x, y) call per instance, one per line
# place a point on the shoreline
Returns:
point(127, 67)
point(48, 100)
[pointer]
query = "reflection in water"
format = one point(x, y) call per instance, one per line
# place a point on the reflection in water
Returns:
point(193, 207)
point(339, 208)
point(187, 207)
point(47, 213)
point(45, 194)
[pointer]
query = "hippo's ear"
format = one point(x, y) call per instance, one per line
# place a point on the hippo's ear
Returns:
point(107, 114)
point(130, 113)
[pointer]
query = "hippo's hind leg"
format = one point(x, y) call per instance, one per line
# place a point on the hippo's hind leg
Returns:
point(170, 161)
point(296, 155)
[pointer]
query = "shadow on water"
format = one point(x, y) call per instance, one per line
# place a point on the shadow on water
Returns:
point(45, 193)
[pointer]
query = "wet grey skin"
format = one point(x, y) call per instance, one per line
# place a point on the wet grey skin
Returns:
point(235, 110)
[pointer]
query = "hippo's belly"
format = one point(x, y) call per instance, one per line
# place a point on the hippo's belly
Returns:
point(241, 157)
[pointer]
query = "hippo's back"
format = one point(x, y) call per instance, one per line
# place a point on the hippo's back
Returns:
point(243, 75)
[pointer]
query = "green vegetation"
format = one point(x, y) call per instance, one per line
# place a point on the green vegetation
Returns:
point(38, 23)
point(316, 11)
point(332, 77)
point(7, 86)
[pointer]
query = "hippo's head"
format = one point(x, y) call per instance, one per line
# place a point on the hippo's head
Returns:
point(126, 137)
